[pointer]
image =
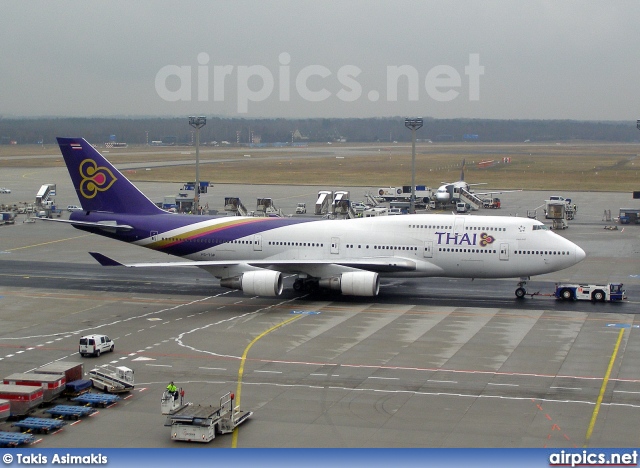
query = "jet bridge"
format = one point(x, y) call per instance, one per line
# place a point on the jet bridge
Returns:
point(470, 199)
point(371, 199)
point(325, 197)
point(234, 205)
point(265, 207)
point(45, 193)
point(341, 206)
point(45, 201)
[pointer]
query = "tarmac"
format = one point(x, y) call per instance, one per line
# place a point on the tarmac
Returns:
point(428, 363)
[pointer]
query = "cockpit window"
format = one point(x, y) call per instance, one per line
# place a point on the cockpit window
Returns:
point(540, 227)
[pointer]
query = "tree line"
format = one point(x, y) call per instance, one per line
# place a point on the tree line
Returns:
point(268, 131)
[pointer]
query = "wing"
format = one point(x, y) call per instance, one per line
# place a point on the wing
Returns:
point(378, 265)
point(496, 192)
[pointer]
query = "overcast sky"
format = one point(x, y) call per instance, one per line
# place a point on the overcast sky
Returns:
point(500, 59)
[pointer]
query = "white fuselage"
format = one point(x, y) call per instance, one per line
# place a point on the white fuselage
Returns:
point(451, 192)
point(438, 245)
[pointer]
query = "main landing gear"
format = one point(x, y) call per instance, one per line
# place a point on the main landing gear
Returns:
point(521, 291)
point(309, 285)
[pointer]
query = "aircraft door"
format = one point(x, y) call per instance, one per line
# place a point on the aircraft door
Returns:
point(458, 225)
point(504, 251)
point(257, 242)
point(428, 249)
point(154, 236)
point(335, 245)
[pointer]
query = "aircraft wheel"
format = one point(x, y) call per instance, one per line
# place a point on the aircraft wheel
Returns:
point(298, 285)
point(520, 293)
point(311, 287)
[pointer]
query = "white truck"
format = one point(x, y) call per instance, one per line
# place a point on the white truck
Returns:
point(423, 193)
point(112, 379)
point(301, 208)
point(198, 423)
point(610, 292)
point(462, 207)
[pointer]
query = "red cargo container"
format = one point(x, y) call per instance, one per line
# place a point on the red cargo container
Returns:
point(51, 384)
point(71, 370)
point(5, 410)
point(23, 398)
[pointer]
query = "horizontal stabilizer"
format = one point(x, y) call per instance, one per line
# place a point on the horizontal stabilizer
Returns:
point(109, 226)
point(104, 260)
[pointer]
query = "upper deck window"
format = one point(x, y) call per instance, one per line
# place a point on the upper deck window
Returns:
point(540, 227)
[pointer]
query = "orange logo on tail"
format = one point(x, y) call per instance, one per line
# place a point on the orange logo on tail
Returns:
point(94, 179)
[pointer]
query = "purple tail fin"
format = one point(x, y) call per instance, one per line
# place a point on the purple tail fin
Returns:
point(99, 185)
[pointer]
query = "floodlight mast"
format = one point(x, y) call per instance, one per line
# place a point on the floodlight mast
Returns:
point(197, 123)
point(413, 125)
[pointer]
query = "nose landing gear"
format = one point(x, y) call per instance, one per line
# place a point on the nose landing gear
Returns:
point(521, 291)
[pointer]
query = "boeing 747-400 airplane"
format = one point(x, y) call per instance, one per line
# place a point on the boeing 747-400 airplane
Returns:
point(349, 256)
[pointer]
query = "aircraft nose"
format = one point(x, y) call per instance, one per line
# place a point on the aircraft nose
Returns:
point(580, 254)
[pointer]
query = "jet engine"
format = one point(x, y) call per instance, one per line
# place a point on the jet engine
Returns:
point(260, 283)
point(359, 283)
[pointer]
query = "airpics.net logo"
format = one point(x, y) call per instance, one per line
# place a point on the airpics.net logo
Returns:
point(257, 83)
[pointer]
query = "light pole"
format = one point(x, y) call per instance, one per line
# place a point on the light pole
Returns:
point(197, 123)
point(413, 125)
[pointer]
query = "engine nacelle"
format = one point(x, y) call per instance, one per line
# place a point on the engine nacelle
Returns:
point(359, 283)
point(260, 283)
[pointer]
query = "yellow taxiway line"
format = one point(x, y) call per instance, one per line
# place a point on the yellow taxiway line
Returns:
point(603, 387)
point(234, 441)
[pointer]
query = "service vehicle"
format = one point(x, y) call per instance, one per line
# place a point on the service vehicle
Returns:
point(95, 345)
point(198, 423)
point(4, 190)
point(560, 198)
point(491, 203)
point(301, 208)
point(72, 208)
point(423, 193)
point(112, 379)
point(611, 292)
point(7, 217)
point(358, 206)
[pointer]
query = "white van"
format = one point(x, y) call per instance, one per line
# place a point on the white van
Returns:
point(95, 344)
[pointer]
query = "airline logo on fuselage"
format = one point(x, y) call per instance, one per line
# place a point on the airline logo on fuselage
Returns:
point(448, 238)
point(94, 178)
